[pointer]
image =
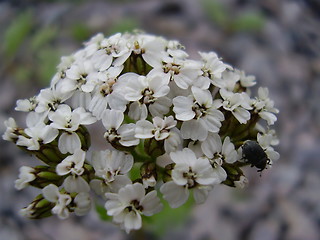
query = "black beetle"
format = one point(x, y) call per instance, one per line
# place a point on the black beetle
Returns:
point(255, 155)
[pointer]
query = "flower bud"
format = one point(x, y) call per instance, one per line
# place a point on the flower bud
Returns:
point(38, 208)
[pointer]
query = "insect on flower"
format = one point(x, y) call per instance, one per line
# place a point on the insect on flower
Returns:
point(255, 155)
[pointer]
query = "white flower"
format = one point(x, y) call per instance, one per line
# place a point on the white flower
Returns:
point(94, 44)
point(129, 203)
point(11, 130)
point(80, 75)
point(150, 48)
point(189, 172)
point(199, 113)
point(39, 134)
point(237, 104)
point(73, 167)
point(217, 152)
point(159, 129)
point(265, 141)
point(49, 100)
point(114, 47)
point(111, 166)
point(146, 93)
point(227, 81)
point(26, 105)
point(109, 163)
point(182, 72)
point(69, 121)
point(112, 121)
point(103, 93)
point(246, 80)
point(265, 107)
point(26, 176)
point(211, 67)
point(61, 201)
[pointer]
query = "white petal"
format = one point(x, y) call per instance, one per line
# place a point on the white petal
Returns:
point(241, 114)
point(132, 220)
point(76, 184)
point(194, 129)
point(112, 119)
point(183, 108)
point(211, 145)
point(132, 192)
point(186, 156)
point(151, 203)
point(178, 174)
point(203, 97)
point(174, 194)
point(269, 117)
point(69, 142)
point(51, 193)
point(144, 129)
point(49, 134)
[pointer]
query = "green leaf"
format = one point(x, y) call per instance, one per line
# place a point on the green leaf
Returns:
point(16, 34)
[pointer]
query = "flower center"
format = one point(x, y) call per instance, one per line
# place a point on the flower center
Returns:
point(191, 178)
point(173, 69)
point(200, 110)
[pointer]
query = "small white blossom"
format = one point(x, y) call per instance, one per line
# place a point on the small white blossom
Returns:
point(103, 94)
point(112, 121)
point(227, 81)
point(213, 148)
point(129, 203)
point(113, 50)
point(189, 172)
point(211, 67)
point(111, 166)
point(200, 114)
point(266, 141)
point(146, 94)
point(26, 105)
point(69, 121)
point(182, 72)
point(81, 75)
point(237, 104)
point(11, 129)
point(37, 135)
point(73, 167)
point(246, 80)
point(49, 100)
point(61, 201)
point(265, 107)
point(26, 176)
point(159, 129)
point(149, 47)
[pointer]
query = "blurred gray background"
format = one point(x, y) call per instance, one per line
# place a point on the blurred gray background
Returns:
point(278, 41)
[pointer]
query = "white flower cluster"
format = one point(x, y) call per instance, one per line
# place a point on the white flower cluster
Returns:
point(181, 122)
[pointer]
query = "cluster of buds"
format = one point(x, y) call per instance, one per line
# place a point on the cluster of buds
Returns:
point(180, 123)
